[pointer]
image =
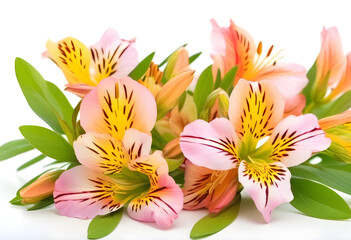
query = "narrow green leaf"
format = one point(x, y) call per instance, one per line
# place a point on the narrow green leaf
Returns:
point(181, 101)
point(192, 58)
point(74, 118)
point(41, 204)
point(307, 91)
point(213, 223)
point(17, 201)
point(228, 79)
point(35, 90)
point(203, 88)
point(101, 226)
point(165, 61)
point(339, 179)
point(31, 162)
point(218, 79)
point(49, 143)
point(319, 201)
point(142, 67)
point(337, 106)
point(13, 148)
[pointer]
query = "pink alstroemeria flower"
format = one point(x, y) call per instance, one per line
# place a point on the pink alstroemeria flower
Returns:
point(85, 67)
point(255, 112)
point(208, 188)
point(233, 46)
point(116, 168)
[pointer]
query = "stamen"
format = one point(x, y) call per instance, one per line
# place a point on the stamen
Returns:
point(270, 51)
point(259, 48)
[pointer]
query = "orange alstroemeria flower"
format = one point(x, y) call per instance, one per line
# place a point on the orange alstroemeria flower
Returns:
point(233, 46)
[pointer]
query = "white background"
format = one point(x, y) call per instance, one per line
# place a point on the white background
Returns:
point(159, 26)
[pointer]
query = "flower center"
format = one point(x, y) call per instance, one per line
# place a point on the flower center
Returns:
point(261, 61)
point(130, 184)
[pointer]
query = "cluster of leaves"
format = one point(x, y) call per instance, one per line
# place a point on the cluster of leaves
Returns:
point(51, 105)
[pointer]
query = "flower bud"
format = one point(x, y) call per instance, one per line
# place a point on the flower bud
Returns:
point(41, 188)
point(177, 62)
point(171, 91)
point(217, 104)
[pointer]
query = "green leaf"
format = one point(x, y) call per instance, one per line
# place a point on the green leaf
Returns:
point(165, 61)
point(178, 176)
point(319, 201)
point(213, 223)
point(307, 91)
point(60, 103)
point(142, 67)
point(228, 79)
point(203, 88)
point(49, 143)
point(337, 106)
point(41, 204)
point(101, 226)
point(332, 177)
point(174, 163)
point(157, 140)
point(35, 90)
point(181, 101)
point(74, 164)
point(218, 79)
point(13, 148)
point(31, 162)
point(194, 57)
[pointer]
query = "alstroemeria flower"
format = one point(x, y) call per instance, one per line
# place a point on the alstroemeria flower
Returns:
point(331, 59)
point(117, 169)
point(255, 112)
point(233, 46)
point(85, 67)
point(208, 188)
point(338, 129)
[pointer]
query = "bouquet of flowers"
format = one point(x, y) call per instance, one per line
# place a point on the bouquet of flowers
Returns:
point(158, 138)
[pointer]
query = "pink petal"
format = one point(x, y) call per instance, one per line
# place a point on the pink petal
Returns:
point(101, 153)
point(136, 144)
point(79, 89)
point(331, 56)
point(116, 105)
point(83, 193)
point(290, 79)
point(255, 108)
point(295, 138)
point(212, 145)
point(268, 186)
point(344, 84)
point(208, 188)
point(161, 204)
point(232, 46)
point(295, 105)
point(154, 166)
point(113, 57)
